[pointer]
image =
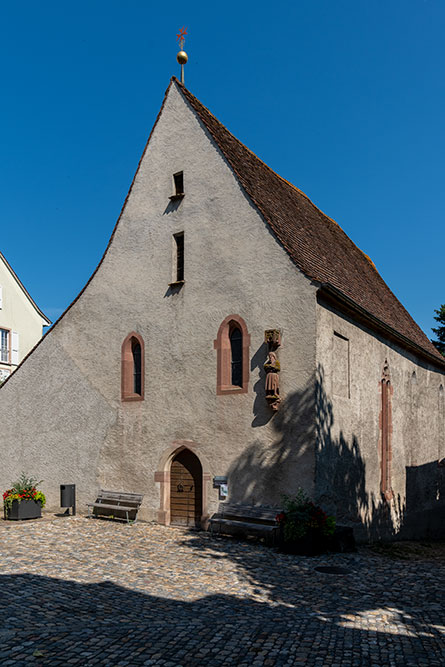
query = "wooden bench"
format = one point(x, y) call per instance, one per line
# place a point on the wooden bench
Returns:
point(246, 520)
point(116, 504)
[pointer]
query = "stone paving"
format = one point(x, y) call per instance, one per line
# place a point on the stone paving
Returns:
point(75, 591)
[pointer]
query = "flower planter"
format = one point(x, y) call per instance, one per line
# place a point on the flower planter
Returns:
point(25, 509)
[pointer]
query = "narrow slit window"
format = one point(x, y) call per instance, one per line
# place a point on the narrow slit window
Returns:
point(179, 183)
point(179, 243)
point(236, 349)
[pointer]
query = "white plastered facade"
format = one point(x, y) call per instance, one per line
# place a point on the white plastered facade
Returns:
point(19, 317)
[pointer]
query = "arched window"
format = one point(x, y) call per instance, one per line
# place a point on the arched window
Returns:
point(385, 433)
point(132, 381)
point(236, 353)
point(137, 361)
point(232, 364)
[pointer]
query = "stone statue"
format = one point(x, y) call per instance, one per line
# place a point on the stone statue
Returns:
point(272, 368)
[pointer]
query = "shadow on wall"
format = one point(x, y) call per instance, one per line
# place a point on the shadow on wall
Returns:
point(330, 468)
point(341, 479)
point(425, 502)
point(266, 470)
point(49, 620)
point(262, 412)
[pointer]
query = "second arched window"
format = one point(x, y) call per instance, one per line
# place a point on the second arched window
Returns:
point(232, 346)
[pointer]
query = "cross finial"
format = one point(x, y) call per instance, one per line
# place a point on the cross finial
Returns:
point(181, 56)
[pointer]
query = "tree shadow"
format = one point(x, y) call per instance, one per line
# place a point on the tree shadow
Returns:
point(261, 410)
point(306, 451)
point(54, 621)
point(265, 470)
point(341, 478)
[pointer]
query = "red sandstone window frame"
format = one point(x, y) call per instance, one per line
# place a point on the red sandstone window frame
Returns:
point(224, 358)
point(386, 391)
point(127, 368)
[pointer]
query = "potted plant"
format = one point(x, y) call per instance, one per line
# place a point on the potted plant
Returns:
point(304, 527)
point(23, 501)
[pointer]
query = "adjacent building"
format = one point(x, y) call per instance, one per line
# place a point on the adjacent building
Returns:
point(233, 331)
point(21, 321)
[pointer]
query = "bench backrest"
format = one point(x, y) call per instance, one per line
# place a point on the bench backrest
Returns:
point(249, 512)
point(119, 498)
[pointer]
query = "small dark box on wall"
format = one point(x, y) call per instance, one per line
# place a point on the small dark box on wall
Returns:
point(218, 481)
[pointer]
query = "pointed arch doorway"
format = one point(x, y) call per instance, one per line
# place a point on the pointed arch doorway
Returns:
point(185, 489)
point(197, 466)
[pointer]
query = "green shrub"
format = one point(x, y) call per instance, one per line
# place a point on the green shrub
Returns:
point(301, 516)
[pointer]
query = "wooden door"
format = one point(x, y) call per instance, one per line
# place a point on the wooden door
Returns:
point(186, 489)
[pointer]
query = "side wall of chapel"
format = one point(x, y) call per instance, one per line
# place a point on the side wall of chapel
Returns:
point(352, 363)
point(62, 416)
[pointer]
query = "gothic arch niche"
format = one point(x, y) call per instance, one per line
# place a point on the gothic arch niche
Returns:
point(385, 433)
point(181, 464)
point(132, 368)
point(232, 362)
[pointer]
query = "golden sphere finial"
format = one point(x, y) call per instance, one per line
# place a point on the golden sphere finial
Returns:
point(182, 57)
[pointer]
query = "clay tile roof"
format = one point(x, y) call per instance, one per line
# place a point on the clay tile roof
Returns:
point(315, 242)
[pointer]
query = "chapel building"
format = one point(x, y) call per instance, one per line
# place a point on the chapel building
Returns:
point(233, 331)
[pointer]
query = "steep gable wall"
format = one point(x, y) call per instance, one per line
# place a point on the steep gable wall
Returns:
point(63, 411)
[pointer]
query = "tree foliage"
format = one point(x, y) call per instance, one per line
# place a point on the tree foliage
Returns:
point(440, 330)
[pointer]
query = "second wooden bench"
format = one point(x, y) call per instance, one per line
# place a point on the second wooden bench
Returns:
point(246, 520)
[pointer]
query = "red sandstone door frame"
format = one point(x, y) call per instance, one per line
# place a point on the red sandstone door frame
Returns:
point(162, 475)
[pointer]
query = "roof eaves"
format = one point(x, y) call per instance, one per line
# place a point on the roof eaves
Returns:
point(336, 295)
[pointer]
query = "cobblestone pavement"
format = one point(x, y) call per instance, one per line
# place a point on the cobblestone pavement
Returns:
point(91, 592)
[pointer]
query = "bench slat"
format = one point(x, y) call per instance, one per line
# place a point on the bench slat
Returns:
point(112, 507)
point(244, 525)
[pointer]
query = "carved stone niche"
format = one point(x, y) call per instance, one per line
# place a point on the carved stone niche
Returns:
point(272, 338)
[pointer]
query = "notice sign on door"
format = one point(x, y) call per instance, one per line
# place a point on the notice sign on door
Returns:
point(223, 491)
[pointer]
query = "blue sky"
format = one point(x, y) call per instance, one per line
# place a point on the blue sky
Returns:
point(343, 98)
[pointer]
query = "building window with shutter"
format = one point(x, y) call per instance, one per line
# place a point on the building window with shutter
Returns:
point(4, 346)
point(132, 368)
point(14, 348)
point(232, 363)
